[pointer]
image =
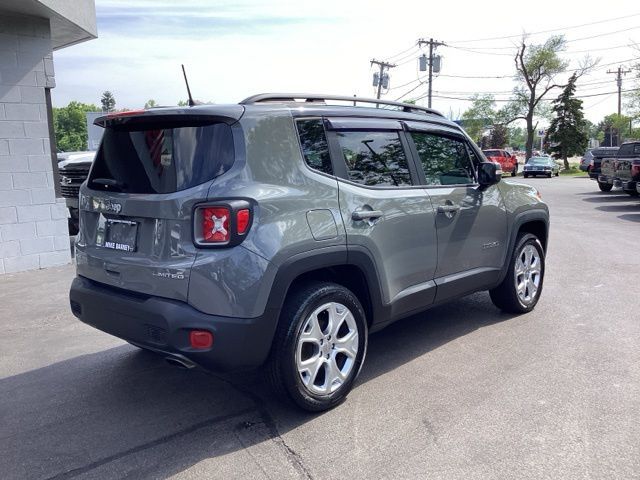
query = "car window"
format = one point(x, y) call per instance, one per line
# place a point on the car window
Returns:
point(313, 141)
point(445, 160)
point(374, 158)
point(491, 153)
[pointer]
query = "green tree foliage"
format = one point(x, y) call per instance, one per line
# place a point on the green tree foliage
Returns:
point(616, 127)
point(150, 103)
point(517, 138)
point(499, 137)
point(70, 125)
point(536, 69)
point(479, 116)
point(567, 132)
point(183, 103)
point(108, 101)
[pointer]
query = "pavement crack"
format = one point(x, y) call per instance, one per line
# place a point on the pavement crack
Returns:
point(272, 427)
point(145, 446)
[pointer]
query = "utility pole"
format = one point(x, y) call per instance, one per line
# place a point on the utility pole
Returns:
point(382, 66)
point(433, 44)
point(619, 74)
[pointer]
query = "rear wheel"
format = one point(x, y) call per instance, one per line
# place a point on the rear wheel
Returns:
point(605, 187)
point(319, 346)
point(521, 288)
point(514, 172)
point(526, 175)
point(633, 193)
point(549, 175)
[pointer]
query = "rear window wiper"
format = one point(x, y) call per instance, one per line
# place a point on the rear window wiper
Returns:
point(109, 183)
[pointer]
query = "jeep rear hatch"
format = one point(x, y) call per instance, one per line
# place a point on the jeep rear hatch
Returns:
point(136, 208)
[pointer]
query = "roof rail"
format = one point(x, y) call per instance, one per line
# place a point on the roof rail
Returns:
point(319, 98)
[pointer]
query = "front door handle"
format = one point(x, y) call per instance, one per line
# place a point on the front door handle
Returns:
point(448, 208)
point(366, 214)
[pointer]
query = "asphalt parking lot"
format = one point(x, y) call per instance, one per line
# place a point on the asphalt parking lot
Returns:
point(462, 391)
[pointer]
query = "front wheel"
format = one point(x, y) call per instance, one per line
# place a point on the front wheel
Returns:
point(514, 172)
point(319, 346)
point(522, 285)
point(605, 187)
point(526, 175)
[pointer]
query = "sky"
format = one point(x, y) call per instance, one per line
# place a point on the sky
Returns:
point(232, 49)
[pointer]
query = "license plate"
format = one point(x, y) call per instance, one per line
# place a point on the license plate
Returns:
point(117, 235)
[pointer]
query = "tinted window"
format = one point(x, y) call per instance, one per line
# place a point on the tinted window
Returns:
point(375, 158)
point(445, 160)
point(629, 150)
point(492, 153)
point(313, 141)
point(161, 159)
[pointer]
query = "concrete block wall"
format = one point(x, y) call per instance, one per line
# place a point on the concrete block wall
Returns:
point(33, 223)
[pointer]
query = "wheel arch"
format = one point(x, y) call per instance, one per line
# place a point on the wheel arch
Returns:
point(535, 222)
point(355, 271)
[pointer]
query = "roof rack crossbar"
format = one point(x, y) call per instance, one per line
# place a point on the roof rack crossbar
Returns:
point(315, 97)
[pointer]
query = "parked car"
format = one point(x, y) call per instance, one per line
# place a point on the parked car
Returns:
point(282, 230)
point(627, 167)
point(73, 169)
point(595, 168)
point(586, 160)
point(541, 166)
point(508, 161)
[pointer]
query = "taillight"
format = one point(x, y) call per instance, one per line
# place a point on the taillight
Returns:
point(221, 224)
point(215, 224)
point(242, 220)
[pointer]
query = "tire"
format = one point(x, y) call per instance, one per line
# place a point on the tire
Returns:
point(633, 193)
point(525, 175)
point(605, 187)
point(307, 314)
point(514, 172)
point(557, 174)
point(506, 296)
point(549, 175)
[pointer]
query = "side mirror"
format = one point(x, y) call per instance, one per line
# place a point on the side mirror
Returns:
point(489, 174)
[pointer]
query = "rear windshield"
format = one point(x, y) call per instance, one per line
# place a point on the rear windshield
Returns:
point(492, 153)
point(539, 161)
point(161, 159)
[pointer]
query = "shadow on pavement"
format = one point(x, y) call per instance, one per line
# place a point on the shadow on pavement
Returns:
point(627, 207)
point(603, 197)
point(123, 412)
point(631, 217)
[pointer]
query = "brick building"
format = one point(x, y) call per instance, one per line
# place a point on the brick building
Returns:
point(33, 221)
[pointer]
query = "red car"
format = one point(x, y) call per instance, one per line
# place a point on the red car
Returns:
point(508, 162)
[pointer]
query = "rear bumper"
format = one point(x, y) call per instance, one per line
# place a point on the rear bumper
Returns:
point(163, 325)
point(629, 185)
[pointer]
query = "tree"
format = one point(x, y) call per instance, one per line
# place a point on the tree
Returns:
point(182, 103)
point(479, 116)
point(70, 126)
point(499, 136)
point(536, 69)
point(567, 132)
point(150, 103)
point(108, 101)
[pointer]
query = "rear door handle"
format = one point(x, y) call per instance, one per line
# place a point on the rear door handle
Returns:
point(366, 214)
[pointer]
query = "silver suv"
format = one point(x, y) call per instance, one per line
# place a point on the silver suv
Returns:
point(283, 230)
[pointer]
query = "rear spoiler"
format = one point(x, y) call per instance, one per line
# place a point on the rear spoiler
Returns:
point(191, 116)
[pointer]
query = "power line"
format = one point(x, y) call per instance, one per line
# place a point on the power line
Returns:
point(549, 31)
point(468, 99)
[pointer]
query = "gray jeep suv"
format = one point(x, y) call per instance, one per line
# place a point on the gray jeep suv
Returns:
point(283, 230)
